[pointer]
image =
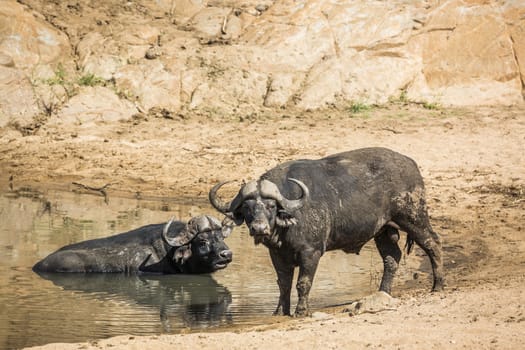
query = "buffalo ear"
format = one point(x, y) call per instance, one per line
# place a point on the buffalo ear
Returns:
point(182, 254)
point(227, 226)
point(236, 217)
point(186, 235)
point(285, 219)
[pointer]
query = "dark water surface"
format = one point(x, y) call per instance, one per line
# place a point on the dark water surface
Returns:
point(36, 310)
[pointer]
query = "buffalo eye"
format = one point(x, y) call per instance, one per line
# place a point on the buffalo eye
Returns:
point(270, 205)
point(246, 205)
point(247, 209)
point(203, 243)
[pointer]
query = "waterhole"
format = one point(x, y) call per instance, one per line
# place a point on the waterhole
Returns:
point(37, 310)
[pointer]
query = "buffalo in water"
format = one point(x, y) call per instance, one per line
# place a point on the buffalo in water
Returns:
point(303, 208)
point(175, 247)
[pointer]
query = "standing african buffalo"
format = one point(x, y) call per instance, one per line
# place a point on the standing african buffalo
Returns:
point(174, 247)
point(343, 201)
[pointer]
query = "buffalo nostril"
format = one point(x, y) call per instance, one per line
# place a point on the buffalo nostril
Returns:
point(226, 254)
point(259, 227)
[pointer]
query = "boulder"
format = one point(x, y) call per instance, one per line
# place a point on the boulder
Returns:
point(95, 105)
point(28, 39)
point(6, 60)
point(150, 84)
point(16, 87)
point(281, 89)
point(98, 55)
point(208, 22)
point(467, 56)
point(184, 10)
point(228, 89)
point(513, 13)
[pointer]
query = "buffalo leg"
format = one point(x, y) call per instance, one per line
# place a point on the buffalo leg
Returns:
point(309, 260)
point(386, 243)
point(284, 272)
point(427, 239)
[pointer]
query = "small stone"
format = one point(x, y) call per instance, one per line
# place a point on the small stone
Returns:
point(153, 52)
point(320, 315)
point(6, 60)
point(379, 301)
point(261, 7)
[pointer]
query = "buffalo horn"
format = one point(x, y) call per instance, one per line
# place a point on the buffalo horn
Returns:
point(183, 237)
point(270, 190)
point(228, 208)
point(297, 203)
point(217, 203)
point(165, 232)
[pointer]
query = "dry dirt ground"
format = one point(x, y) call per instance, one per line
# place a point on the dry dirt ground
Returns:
point(472, 161)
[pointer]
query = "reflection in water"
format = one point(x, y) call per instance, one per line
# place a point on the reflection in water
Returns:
point(194, 301)
point(73, 308)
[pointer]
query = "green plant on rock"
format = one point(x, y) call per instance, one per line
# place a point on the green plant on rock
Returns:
point(403, 97)
point(90, 79)
point(358, 107)
point(59, 78)
point(125, 94)
point(430, 105)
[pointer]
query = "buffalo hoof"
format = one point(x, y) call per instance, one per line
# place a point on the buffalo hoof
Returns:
point(438, 286)
point(301, 312)
point(280, 312)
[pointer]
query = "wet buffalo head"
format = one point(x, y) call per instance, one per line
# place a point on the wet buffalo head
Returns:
point(262, 206)
point(200, 246)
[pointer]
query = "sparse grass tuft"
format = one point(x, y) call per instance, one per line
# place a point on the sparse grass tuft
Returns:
point(403, 97)
point(90, 80)
point(358, 107)
point(59, 78)
point(430, 105)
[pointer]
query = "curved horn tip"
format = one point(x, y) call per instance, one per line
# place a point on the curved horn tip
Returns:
point(301, 184)
point(167, 225)
point(222, 183)
point(215, 201)
point(291, 205)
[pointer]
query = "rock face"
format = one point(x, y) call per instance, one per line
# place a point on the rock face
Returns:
point(16, 87)
point(26, 41)
point(469, 54)
point(230, 56)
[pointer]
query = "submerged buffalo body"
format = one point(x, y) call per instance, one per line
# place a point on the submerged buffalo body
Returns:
point(176, 247)
point(303, 208)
